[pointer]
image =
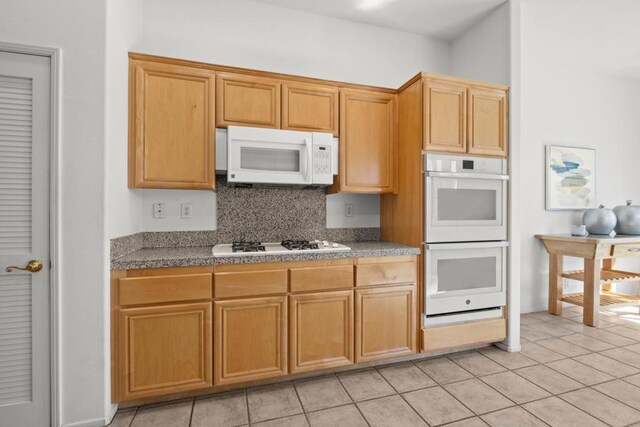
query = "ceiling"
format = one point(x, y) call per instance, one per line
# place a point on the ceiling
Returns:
point(441, 19)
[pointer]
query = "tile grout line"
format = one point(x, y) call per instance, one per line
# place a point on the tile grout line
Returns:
point(193, 405)
point(304, 412)
point(559, 396)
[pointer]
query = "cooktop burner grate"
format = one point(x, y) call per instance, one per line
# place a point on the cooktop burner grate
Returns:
point(247, 247)
point(298, 245)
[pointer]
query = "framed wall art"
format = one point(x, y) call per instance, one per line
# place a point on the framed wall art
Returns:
point(570, 178)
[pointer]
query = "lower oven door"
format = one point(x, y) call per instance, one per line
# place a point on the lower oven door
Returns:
point(465, 276)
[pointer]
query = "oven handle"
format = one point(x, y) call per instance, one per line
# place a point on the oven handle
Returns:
point(471, 245)
point(467, 175)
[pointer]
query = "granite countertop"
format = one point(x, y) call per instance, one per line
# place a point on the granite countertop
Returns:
point(201, 255)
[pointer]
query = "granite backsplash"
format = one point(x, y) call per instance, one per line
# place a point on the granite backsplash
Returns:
point(264, 214)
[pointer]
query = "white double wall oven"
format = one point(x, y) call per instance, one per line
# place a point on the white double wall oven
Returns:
point(465, 237)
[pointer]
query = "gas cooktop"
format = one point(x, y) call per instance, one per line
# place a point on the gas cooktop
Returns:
point(284, 247)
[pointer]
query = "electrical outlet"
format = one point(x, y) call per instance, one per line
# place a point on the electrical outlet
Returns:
point(348, 209)
point(159, 210)
point(186, 211)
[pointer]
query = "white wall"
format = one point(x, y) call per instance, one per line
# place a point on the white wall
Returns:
point(122, 207)
point(482, 52)
point(203, 208)
point(79, 29)
point(255, 35)
point(565, 103)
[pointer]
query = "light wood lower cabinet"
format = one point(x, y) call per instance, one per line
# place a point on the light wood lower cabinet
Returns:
point(385, 322)
point(250, 339)
point(164, 349)
point(321, 330)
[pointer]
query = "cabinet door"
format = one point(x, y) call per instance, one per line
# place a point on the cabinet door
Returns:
point(321, 330)
point(246, 100)
point(367, 142)
point(163, 350)
point(487, 130)
point(445, 112)
point(171, 126)
point(250, 339)
point(309, 107)
point(385, 322)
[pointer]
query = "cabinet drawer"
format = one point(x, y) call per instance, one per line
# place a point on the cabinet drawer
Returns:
point(319, 278)
point(160, 289)
point(625, 250)
point(383, 274)
point(462, 334)
point(250, 283)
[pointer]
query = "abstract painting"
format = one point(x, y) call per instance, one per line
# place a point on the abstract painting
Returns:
point(570, 178)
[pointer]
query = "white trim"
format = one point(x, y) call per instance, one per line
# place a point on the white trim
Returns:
point(96, 422)
point(512, 343)
point(54, 212)
point(508, 348)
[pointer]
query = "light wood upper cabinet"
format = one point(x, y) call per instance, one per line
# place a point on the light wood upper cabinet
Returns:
point(171, 126)
point(445, 116)
point(247, 100)
point(487, 129)
point(321, 330)
point(309, 107)
point(164, 349)
point(385, 322)
point(462, 116)
point(250, 339)
point(367, 142)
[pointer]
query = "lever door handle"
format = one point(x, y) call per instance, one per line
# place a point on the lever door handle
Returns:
point(33, 266)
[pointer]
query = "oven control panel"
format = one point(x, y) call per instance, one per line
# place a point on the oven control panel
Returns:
point(464, 164)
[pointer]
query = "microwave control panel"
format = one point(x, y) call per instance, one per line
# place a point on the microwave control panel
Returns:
point(322, 160)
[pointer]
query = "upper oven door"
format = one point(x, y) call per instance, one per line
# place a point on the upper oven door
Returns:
point(269, 156)
point(464, 207)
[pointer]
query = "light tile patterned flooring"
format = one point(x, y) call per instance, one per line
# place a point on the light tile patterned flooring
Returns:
point(567, 374)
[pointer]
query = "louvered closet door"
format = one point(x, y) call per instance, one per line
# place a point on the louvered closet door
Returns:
point(24, 236)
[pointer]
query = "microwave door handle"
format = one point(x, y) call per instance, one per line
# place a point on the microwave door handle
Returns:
point(309, 162)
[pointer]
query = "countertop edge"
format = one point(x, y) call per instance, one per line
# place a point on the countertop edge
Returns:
point(172, 257)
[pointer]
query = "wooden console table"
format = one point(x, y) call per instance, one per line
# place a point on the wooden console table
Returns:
point(599, 255)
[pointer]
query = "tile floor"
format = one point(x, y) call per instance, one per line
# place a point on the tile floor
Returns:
point(566, 375)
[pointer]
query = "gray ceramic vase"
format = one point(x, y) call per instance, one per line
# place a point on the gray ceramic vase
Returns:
point(599, 221)
point(628, 219)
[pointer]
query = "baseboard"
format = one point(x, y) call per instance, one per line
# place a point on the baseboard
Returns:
point(510, 349)
point(96, 422)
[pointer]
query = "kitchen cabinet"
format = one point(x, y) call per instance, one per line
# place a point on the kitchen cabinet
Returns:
point(247, 100)
point(385, 322)
point(171, 126)
point(321, 330)
point(487, 131)
point(250, 339)
point(367, 151)
point(309, 107)
point(182, 330)
point(445, 121)
point(164, 349)
point(463, 116)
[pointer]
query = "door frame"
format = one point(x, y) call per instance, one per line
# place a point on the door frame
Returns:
point(54, 54)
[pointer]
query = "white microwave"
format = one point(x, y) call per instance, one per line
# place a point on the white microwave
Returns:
point(280, 157)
